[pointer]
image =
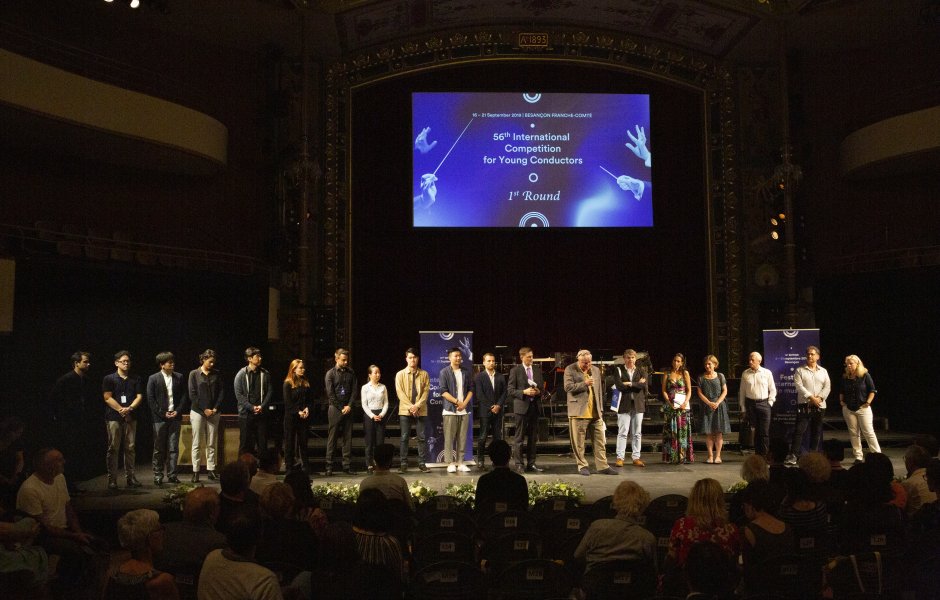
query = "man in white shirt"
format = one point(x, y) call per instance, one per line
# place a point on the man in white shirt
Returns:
point(232, 573)
point(756, 396)
point(812, 388)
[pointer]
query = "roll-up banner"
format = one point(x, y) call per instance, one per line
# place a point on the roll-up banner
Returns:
point(434, 347)
point(784, 351)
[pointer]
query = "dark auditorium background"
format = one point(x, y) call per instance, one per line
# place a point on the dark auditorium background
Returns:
point(123, 242)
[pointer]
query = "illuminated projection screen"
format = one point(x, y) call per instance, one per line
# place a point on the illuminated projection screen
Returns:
point(531, 160)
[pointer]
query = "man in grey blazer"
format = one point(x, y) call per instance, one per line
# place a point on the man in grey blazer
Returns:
point(166, 394)
point(585, 388)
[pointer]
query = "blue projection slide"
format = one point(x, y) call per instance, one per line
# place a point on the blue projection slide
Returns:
point(531, 160)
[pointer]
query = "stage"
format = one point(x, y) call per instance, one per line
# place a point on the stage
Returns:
point(657, 478)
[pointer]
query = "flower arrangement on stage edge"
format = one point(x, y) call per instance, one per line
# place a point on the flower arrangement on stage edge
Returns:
point(177, 494)
point(420, 492)
point(342, 492)
point(463, 493)
point(541, 491)
point(737, 487)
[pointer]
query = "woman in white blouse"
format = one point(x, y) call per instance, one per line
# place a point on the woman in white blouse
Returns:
point(374, 398)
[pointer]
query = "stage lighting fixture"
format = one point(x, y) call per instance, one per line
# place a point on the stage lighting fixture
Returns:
point(782, 216)
point(109, 1)
point(775, 235)
point(135, 3)
point(773, 221)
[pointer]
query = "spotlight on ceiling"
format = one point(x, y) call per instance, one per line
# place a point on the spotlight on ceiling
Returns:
point(775, 235)
point(135, 3)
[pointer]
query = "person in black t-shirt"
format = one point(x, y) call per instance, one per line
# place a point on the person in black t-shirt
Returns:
point(122, 395)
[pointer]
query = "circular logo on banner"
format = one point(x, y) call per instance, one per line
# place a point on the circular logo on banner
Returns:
point(531, 98)
point(791, 333)
point(532, 219)
point(447, 336)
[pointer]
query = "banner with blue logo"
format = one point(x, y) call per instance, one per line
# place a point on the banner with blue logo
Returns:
point(784, 351)
point(434, 347)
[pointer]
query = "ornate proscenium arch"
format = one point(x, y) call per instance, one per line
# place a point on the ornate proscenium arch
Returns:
point(600, 49)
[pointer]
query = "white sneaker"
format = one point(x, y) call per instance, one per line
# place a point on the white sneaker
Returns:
point(463, 469)
point(451, 468)
point(790, 460)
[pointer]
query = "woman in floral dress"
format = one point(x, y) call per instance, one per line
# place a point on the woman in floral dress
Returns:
point(677, 428)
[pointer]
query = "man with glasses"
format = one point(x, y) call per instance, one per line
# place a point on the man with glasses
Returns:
point(812, 388)
point(122, 396)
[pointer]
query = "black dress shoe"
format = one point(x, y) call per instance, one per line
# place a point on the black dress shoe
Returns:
point(328, 473)
point(173, 479)
point(534, 468)
point(349, 472)
point(112, 485)
point(424, 468)
point(133, 483)
point(158, 482)
point(195, 478)
point(213, 476)
point(402, 468)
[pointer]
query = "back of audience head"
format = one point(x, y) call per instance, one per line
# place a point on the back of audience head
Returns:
point(339, 550)
point(251, 463)
point(800, 487)
point(500, 453)
point(270, 460)
point(372, 511)
point(234, 479)
point(277, 501)
point(299, 483)
point(929, 443)
point(243, 530)
point(815, 466)
point(630, 499)
point(755, 467)
point(834, 450)
point(135, 528)
point(11, 428)
point(760, 496)
point(707, 502)
point(384, 453)
point(916, 457)
point(870, 481)
point(201, 506)
point(709, 569)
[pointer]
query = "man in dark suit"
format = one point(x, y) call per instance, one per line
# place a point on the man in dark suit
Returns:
point(631, 381)
point(489, 389)
point(525, 388)
point(166, 394)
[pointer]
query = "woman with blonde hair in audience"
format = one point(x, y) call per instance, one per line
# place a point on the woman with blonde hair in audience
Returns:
point(706, 519)
point(140, 532)
point(858, 392)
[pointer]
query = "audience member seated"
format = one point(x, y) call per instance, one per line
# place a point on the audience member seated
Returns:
point(24, 567)
point(802, 510)
point(269, 463)
point(377, 548)
point(818, 473)
point(776, 455)
point(705, 520)
point(753, 468)
point(232, 573)
point(139, 532)
point(925, 523)
point(234, 493)
point(285, 540)
point(339, 574)
point(838, 475)
point(186, 543)
point(880, 467)
point(502, 484)
point(392, 486)
point(300, 485)
point(870, 510)
point(710, 573)
point(765, 536)
point(916, 460)
point(11, 460)
point(623, 537)
point(45, 497)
